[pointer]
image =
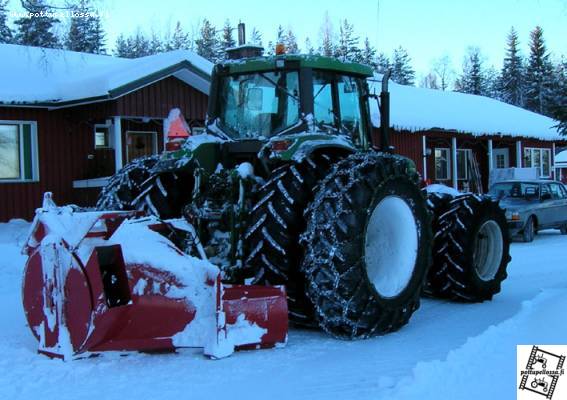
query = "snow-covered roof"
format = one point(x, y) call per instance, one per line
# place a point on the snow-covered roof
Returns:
point(417, 109)
point(54, 78)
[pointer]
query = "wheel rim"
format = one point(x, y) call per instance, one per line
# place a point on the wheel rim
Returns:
point(391, 245)
point(488, 250)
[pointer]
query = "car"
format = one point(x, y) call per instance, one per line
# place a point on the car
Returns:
point(532, 205)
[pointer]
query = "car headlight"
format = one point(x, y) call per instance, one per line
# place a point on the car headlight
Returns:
point(512, 215)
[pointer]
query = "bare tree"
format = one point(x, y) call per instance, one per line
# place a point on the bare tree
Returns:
point(429, 81)
point(444, 71)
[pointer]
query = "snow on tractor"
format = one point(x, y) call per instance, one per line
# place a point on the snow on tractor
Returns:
point(287, 187)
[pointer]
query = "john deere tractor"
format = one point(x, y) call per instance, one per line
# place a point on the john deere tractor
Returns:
point(288, 186)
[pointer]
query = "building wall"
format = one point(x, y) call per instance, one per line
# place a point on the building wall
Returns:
point(66, 141)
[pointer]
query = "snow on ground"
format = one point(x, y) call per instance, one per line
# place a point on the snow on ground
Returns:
point(448, 350)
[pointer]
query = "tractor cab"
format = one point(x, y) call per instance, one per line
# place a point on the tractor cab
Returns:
point(276, 103)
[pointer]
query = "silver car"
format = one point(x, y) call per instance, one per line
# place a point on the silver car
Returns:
point(532, 206)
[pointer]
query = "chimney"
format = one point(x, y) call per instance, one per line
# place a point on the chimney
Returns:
point(241, 34)
point(243, 50)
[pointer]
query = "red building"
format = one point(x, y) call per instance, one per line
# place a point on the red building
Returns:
point(69, 120)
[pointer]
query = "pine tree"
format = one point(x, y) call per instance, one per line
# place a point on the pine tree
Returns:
point(327, 47)
point(256, 37)
point(6, 35)
point(37, 31)
point(558, 106)
point(156, 45)
point(347, 49)
point(309, 49)
point(133, 46)
point(290, 42)
point(179, 40)
point(402, 71)
point(208, 44)
point(97, 36)
point(539, 73)
point(368, 55)
point(227, 38)
point(511, 80)
point(472, 80)
point(382, 63)
point(85, 32)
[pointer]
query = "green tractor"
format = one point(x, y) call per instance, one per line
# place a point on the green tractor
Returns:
point(287, 187)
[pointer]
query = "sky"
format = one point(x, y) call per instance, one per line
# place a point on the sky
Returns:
point(428, 29)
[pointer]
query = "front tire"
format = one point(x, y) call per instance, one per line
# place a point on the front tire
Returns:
point(528, 233)
point(368, 243)
point(126, 185)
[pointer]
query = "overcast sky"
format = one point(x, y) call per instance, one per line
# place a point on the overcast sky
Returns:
point(428, 29)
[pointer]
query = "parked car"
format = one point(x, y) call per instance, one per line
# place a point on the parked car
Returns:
point(532, 205)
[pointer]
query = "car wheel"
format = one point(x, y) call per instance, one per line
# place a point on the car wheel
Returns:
point(529, 230)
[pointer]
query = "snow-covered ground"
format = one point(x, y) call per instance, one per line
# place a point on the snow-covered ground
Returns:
point(448, 350)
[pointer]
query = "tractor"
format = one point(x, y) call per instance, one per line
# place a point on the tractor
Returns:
point(289, 186)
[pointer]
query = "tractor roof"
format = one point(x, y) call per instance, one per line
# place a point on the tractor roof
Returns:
point(309, 61)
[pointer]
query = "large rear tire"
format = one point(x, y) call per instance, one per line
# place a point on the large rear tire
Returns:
point(126, 185)
point(277, 222)
point(471, 247)
point(368, 243)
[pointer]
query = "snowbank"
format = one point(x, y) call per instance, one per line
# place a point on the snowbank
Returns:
point(485, 366)
point(417, 109)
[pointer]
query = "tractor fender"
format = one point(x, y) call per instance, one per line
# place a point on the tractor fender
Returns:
point(299, 146)
point(202, 150)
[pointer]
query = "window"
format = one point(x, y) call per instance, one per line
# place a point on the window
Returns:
point(538, 158)
point(463, 162)
point(500, 161)
point(323, 99)
point(102, 136)
point(442, 170)
point(260, 104)
point(349, 106)
point(18, 151)
point(556, 191)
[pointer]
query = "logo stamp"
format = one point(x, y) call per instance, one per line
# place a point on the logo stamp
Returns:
point(540, 372)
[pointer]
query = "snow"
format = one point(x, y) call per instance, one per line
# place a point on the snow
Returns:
point(52, 75)
point(417, 109)
point(448, 350)
point(443, 189)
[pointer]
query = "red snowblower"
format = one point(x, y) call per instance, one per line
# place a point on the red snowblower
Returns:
point(117, 281)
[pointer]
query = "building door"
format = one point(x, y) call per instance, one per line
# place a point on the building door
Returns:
point(501, 158)
point(140, 144)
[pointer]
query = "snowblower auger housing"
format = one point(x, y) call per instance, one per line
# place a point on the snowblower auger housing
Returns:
point(99, 281)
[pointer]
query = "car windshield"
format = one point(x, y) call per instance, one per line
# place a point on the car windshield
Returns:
point(517, 190)
point(259, 105)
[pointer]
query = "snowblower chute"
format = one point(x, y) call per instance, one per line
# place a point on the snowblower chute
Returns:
point(98, 281)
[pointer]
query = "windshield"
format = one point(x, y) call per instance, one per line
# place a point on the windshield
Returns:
point(515, 190)
point(259, 104)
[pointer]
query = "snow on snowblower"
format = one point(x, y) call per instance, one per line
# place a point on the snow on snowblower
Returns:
point(99, 281)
